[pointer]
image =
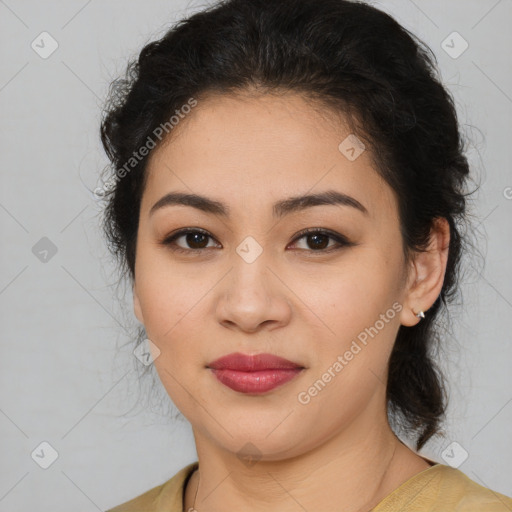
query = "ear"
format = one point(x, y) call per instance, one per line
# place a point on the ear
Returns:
point(136, 306)
point(427, 273)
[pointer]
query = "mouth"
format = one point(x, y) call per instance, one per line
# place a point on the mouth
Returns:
point(254, 374)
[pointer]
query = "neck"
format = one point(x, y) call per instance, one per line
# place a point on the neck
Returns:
point(353, 470)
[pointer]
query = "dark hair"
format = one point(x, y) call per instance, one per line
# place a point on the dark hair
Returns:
point(352, 58)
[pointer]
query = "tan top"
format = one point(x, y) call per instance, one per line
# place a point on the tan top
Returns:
point(439, 488)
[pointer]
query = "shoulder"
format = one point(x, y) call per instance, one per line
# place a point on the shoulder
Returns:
point(444, 489)
point(468, 494)
point(143, 503)
point(166, 497)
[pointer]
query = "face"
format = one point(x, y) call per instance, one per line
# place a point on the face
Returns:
point(249, 280)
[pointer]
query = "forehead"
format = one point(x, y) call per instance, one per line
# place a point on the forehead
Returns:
point(256, 149)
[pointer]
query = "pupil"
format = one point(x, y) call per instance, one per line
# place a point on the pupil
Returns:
point(195, 238)
point(317, 245)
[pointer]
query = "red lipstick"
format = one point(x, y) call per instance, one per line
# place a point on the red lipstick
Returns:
point(254, 374)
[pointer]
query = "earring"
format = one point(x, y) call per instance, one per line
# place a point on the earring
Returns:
point(420, 314)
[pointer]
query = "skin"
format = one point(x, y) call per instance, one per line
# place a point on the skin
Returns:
point(337, 452)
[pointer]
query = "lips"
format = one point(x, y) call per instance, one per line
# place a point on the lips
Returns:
point(257, 362)
point(254, 374)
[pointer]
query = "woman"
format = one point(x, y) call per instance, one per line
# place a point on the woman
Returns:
point(288, 193)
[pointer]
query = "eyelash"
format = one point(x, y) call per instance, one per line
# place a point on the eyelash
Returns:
point(339, 239)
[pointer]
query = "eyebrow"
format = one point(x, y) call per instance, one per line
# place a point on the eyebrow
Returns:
point(280, 208)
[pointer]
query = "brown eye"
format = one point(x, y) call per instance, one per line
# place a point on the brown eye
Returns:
point(317, 240)
point(194, 240)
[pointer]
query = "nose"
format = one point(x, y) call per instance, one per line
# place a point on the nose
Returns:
point(252, 298)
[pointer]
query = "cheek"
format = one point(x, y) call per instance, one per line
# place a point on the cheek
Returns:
point(173, 321)
point(359, 323)
point(350, 296)
point(169, 308)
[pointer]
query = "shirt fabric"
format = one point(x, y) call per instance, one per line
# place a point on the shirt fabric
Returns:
point(439, 488)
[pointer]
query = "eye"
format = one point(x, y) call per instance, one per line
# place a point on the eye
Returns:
point(195, 240)
point(317, 240)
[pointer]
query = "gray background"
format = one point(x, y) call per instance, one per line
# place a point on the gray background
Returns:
point(68, 376)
